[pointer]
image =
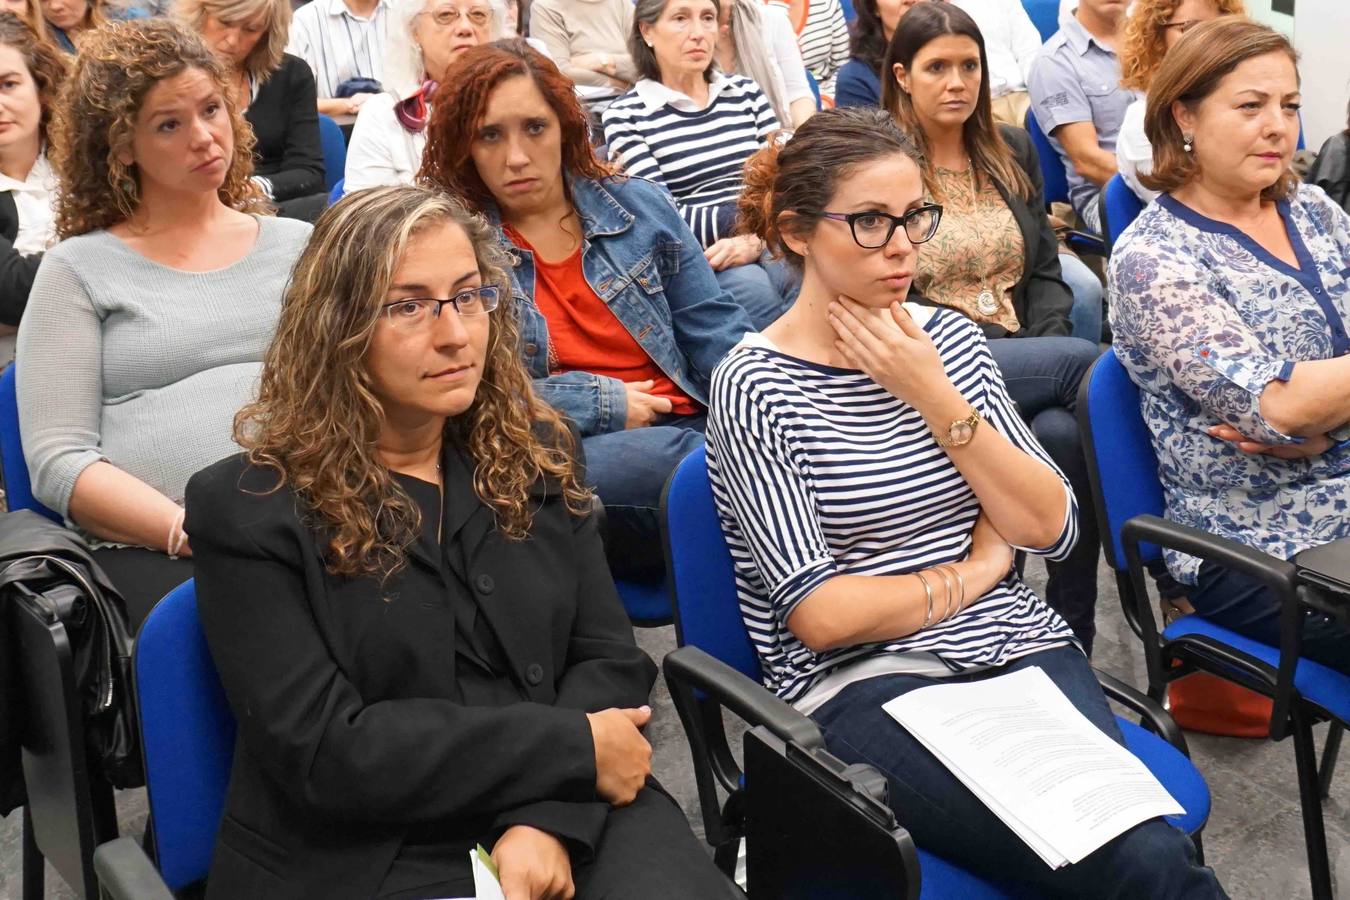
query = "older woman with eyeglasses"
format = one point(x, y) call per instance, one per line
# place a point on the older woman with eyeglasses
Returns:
point(425, 38)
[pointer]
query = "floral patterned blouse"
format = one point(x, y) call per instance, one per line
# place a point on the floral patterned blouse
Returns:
point(977, 247)
point(1204, 318)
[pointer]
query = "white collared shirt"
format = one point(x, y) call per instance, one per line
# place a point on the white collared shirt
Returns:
point(33, 199)
point(655, 95)
point(338, 44)
point(1010, 41)
point(381, 151)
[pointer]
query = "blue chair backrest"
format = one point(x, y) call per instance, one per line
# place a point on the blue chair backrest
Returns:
point(334, 151)
point(1044, 14)
point(338, 190)
point(702, 579)
point(1120, 205)
point(14, 468)
point(1052, 168)
point(849, 12)
point(187, 737)
point(1120, 443)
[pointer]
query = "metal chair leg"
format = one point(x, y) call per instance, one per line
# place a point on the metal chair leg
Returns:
point(1199, 843)
point(1310, 800)
point(1329, 754)
point(34, 865)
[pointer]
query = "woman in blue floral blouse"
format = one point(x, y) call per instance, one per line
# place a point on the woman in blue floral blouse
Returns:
point(1230, 299)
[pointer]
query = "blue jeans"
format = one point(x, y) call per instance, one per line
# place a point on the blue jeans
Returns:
point(1251, 609)
point(1085, 318)
point(1042, 375)
point(764, 289)
point(628, 470)
point(1152, 859)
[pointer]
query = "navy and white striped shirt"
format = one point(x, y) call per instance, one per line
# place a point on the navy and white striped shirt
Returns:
point(819, 471)
point(698, 154)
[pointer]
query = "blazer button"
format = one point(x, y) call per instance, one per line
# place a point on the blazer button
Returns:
point(484, 583)
point(534, 673)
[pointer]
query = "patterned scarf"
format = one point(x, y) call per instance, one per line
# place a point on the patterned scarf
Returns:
point(413, 112)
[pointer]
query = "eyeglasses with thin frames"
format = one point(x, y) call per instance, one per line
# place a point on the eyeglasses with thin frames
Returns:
point(873, 229)
point(447, 16)
point(413, 313)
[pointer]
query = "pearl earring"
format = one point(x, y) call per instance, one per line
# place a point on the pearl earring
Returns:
point(1187, 140)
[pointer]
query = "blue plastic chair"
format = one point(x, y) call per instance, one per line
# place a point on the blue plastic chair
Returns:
point(849, 12)
point(18, 488)
point(187, 737)
point(647, 605)
point(1056, 184)
point(1044, 14)
point(1120, 206)
point(338, 190)
point(814, 86)
point(334, 146)
point(1130, 507)
point(708, 617)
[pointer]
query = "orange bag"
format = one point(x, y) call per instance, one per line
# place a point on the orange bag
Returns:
point(1209, 704)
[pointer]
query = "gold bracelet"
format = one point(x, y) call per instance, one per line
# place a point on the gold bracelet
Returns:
point(928, 617)
point(961, 582)
point(947, 583)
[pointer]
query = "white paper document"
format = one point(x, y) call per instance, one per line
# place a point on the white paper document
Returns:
point(1052, 776)
point(486, 885)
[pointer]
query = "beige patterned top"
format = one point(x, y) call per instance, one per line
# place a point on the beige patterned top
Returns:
point(977, 246)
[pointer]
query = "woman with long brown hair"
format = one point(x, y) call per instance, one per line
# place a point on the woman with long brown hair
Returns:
point(996, 259)
point(404, 591)
point(146, 326)
point(619, 338)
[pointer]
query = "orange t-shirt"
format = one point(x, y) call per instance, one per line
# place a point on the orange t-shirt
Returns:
point(584, 333)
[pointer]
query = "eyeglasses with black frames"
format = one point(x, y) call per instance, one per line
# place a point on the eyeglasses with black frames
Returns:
point(873, 229)
point(412, 313)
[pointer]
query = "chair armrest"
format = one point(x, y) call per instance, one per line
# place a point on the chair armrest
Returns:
point(1279, 575)
point(1085, 242)
point(1159, 722)
point(126, 873)
point(748, 699)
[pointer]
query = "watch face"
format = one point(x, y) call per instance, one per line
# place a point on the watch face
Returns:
point(961, 433)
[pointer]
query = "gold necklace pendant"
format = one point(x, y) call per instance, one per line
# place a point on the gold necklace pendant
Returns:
point(986, 303)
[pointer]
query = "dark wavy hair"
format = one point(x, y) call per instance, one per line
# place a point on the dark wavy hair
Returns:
point(868, 43)
point(447, 162)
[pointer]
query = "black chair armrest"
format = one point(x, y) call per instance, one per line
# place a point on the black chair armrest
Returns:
point(126, 873)
point(1157, 718)
point(1277, 574)
point(748, 699)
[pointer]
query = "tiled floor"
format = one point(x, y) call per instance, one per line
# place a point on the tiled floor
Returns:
point(1254, 839)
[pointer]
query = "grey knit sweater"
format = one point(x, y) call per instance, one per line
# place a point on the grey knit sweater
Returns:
point(125, 360)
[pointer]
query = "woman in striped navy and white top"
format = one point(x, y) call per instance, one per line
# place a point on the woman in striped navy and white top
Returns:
point(873, 478)
point(690, 127)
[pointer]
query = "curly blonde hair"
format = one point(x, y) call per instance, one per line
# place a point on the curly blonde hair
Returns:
point(316, 420)
point(265, 58)
point(96, 118)
point(1142, 47)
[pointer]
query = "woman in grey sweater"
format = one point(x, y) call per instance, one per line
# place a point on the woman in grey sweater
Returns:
point(147, 324)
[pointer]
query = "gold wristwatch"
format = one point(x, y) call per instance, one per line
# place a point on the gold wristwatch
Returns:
point(960, 432)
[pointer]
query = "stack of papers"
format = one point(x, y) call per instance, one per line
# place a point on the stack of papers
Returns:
point(1052, 776)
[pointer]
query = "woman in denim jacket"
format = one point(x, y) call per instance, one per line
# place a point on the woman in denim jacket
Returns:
point(621, 317)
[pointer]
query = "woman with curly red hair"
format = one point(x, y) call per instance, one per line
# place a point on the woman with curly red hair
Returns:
point(146, 326)
point(1153, 27)
point(622, 319)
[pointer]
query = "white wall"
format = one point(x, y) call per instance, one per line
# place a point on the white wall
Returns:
point(1322, 38)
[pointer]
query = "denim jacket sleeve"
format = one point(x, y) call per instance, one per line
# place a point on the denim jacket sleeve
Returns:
point(597, 404)
point(707, 321)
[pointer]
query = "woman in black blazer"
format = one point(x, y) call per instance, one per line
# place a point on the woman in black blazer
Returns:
point(405, 594)
point(995, 256)
point(277, 93)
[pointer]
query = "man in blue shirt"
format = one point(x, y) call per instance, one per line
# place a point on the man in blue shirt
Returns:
point(1076, 95)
